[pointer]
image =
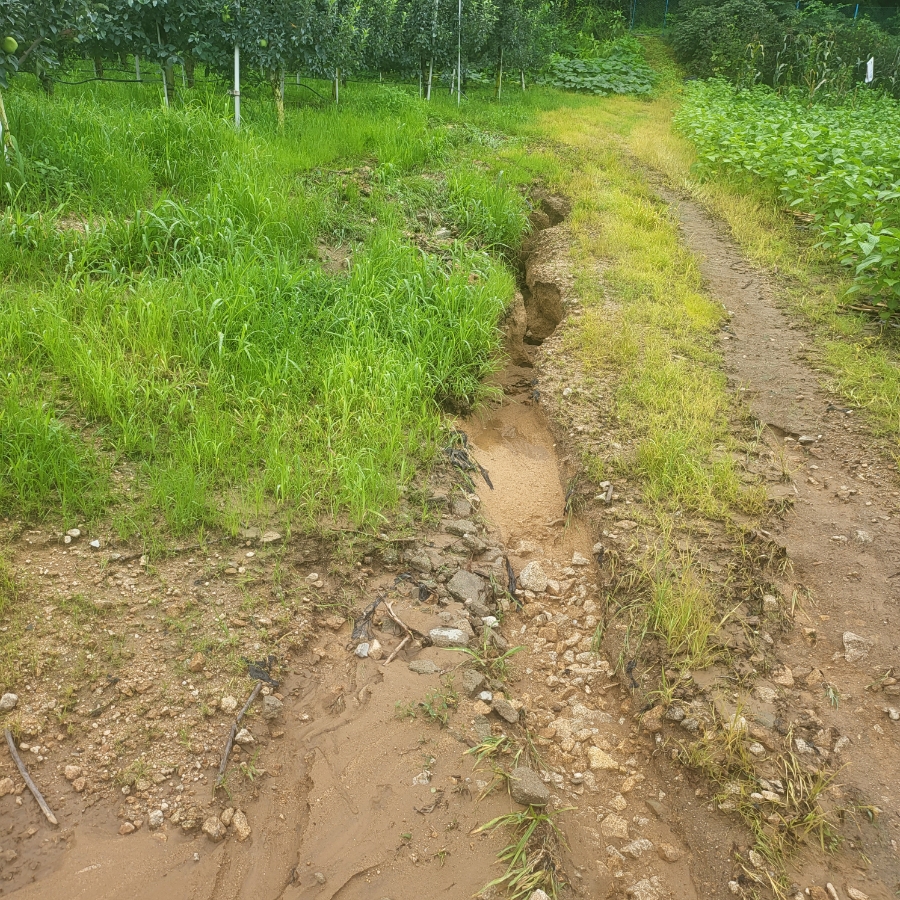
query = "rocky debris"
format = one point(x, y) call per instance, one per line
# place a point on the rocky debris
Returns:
point(270, 537)
point(8, 702)
point(155, 819)
point(335, 623)
point(227, 815)
point(533, 578)
point(675, 714)
point(636, 848)
point(214, 829)
point(6, 786)
point(526, 787)
point(669, 853)
point(472, 681)
point(645, 889)
point(272, 707)
point(652, 720)
point(600, 760)
point(449, 637)
point(320, 877)
point(72, 772)
point(856, 894)
point(228, 704)
point(538, 895)
point(79, 784)
point(127, 828)
point(856, 647)
point(506, 710)
point(460, 527)
point(241, 825)
point(421, 562)
point(244, 737)
point(466, 586)
point(580, 560)
point(362, 650)
point(783, 676)
point(893, 713)
point(424, 667)
point(614, 827)
point(197, 662)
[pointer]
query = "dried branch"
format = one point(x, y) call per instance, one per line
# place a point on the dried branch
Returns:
point(42, 803)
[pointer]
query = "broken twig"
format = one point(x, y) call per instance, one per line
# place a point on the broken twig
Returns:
point(393, 615)
point(42, 803)
point(397, 649)
point(231, 736)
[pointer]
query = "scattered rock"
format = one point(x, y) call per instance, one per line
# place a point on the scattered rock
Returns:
point(155, 819)
point(6, 786)
point(864, 537)
point(79, 784)
point(856, 647)
point(538, 895)
point(481, 708)
point(214, 829)
point(643, 890)
point(241, 825)
point(335, 623)
point(362, 650)
point(421, 562)
point(579, 560)
point(784, 677)
point(197, 662)
point(636, 848)
point(893, 713)
point(320, 878)
point(244, 737)
point(8, 702)
point(533, 578)
point(472, 681)
point(270, 537)
point(614, 827)
point(272, 707)
point(855, 894)
point(526, 787)
point(460, 527)
point(448, 637)
point(72, 772)
point(690, 724)
point(506, 710)
point(228, 704)
point(770, 604)
point(127, 828)
point(227, 815)
point(425, 667)
point(466, 586)
point(652, 719)
point(675, 714)
point(669, 853)
point(600, 759)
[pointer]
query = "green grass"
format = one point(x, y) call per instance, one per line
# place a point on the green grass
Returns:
point(183, 359)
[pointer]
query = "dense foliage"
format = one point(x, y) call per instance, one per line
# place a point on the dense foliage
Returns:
point(619, 69)
point(839, 163)
point(813, 45)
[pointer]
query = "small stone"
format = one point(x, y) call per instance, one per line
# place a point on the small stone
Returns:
point(734, 887)
point(272, 707)
point(533, 578)
point(376, 651)
point(448, 637)
point(460, 527)
point(579, 560)
point(126, 828)
point(614, 827)
point(214, 829)
point(241, 825)
point(196, 663)
point(802, 746)
point(6, 786)
point(270, 537)
point(466, 586)
point(228, 704)
point(618, 803)
point(472, 681)
point(600, 759)
point(538, 895)
point(651, 721)
point(675, 714)
point(855, 894)
point(506, 710)
point(893, 713)
point(424, 667)
point(95, 544)
point(756, 860)
point(526, 787)
point(690, 724)
point(863, 537)
point(486, 696)
point(636, 848)
point(669, 853)
point(784, 677)
point(74, 532)
point(8, 702)
point(72, 772)
point(841, 744)
point(319, 877)
point(227, 815)
point(421, 562)
point(770, 603)
point(362, 650)
point(79, 784)
point(643, 890)
point(335, 623)
point(155, 819)
point(756, 748)
point(856, 647)
point(244, 737)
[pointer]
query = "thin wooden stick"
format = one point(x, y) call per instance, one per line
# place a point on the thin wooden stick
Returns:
point(42, 803)
point(397, 649)
point(224, 764)
point(393, 615)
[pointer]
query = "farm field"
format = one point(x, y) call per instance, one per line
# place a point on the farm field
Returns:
point(607, 385)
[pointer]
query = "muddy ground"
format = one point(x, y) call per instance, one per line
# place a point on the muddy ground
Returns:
point(354, 780)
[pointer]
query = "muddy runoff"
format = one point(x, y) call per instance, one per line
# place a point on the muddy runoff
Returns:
point(365, 780)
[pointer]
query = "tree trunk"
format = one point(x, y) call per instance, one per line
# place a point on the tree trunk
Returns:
point(169, 76)
point(275, 79)
point(4, 125)
point(189, 66)
point(500, 75)
point(98, 67)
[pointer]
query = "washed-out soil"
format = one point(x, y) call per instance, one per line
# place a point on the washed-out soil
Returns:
point(354, 788)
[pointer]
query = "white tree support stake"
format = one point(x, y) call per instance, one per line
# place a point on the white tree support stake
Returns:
point(137, 67)
point(165, 86)
point(459, 58)
point(236, 93)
